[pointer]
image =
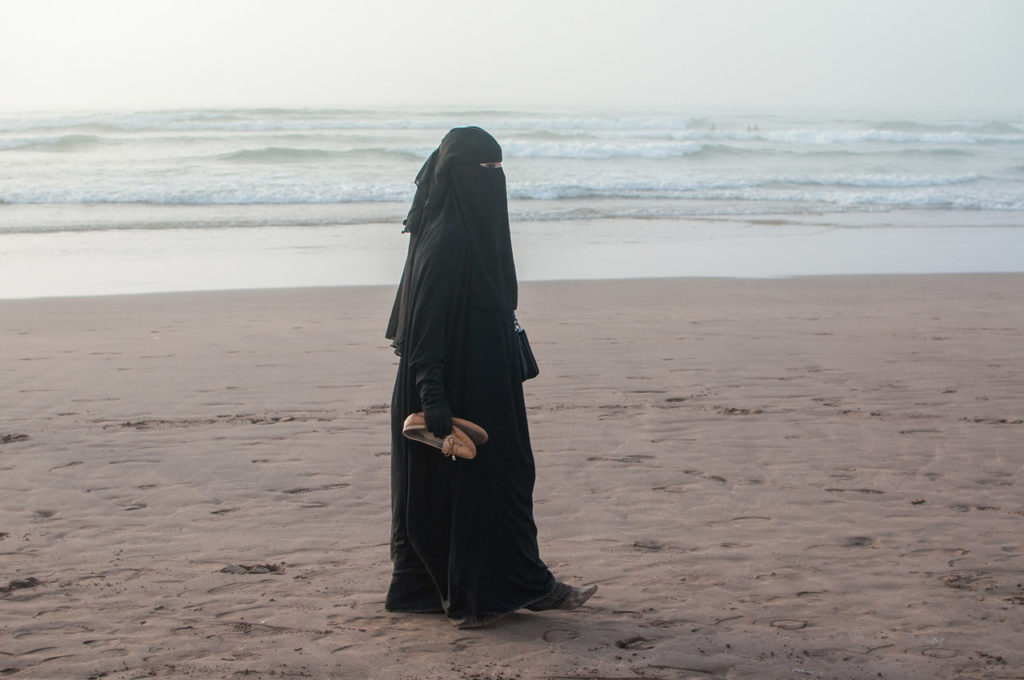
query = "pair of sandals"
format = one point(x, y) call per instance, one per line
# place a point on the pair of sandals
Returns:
point(461, 443)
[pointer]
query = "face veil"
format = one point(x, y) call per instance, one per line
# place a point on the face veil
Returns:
point(458, 198)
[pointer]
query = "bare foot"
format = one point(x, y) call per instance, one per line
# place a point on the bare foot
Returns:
point(563, 597)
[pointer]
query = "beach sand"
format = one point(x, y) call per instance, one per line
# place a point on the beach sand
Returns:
point(811, 477)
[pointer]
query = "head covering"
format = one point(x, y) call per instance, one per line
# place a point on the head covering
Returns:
point(457, 198)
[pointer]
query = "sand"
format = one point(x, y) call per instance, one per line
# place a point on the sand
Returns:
point(812, 477)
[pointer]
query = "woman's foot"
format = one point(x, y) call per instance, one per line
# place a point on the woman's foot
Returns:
point(563, 597)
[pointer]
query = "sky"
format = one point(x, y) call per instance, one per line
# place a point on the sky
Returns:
point(893, 56)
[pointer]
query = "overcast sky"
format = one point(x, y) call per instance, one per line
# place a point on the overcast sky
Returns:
point(913, 56)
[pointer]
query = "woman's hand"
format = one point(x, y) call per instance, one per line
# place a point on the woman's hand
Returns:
point(438, 420)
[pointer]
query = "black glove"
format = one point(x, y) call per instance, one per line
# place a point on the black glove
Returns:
point(437, 412)
point(438, 419)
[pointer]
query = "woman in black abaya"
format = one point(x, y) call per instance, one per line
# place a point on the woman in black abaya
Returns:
point(463, 539)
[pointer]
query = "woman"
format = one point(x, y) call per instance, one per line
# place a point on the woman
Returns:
point(463, 540)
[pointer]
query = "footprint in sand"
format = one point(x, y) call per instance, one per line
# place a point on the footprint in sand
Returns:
point(652, 546)
point(635, 459)
point(964, 581)
point(940, 653)
point(325, 487)
point(560, 635)
point(21, 584)
point(634, 643)
point(858, 542)
point(789, 624)
point(253, 569)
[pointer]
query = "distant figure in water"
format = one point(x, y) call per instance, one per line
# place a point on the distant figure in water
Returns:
point(463, 539)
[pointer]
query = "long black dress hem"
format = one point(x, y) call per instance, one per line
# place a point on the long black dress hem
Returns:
point(478, 621)
point(472, 621)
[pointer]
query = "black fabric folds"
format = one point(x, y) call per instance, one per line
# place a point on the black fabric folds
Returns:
point(463, 539)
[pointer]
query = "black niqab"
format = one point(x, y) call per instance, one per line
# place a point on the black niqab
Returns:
point(463, 539)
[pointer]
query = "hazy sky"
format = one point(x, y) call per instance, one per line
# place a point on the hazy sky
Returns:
point(909, 56)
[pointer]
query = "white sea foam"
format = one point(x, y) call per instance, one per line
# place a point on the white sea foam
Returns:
point(600, 149)
point(810, 136)
point(228, 190)
point(212, 193)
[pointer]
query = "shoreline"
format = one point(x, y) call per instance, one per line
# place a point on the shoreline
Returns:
point(638, 280)
point(818, 473)
point(765, 246)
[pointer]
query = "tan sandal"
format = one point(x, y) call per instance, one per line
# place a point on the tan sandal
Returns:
point(461, 443)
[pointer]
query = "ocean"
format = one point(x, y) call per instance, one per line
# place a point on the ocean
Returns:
point(108, 202)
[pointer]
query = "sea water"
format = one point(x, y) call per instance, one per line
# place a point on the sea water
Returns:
point(108, 202)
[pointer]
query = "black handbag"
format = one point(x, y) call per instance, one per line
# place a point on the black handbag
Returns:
point(527, 363)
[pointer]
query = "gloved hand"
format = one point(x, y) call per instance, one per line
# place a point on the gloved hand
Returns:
point(438, 420)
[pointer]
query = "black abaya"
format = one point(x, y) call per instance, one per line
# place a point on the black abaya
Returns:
point(463, 539)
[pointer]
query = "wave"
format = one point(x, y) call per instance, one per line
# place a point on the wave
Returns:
point(277, 154)
point(740, 200)
point(516, 147)
point(680, 189)
point(543, 124)
point(600, 149)
point(229, 191)
point(883, 181)
point(61, 143)
point(985, 126)
point(940, 151)
point(591, 149)
point(556, 135)
point(146, 217)
point(792, 138)
point(213, 193)
point(551, 147)
point(812, 136)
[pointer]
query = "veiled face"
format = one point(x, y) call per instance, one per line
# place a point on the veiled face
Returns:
point(461, 194)
point(467, 146)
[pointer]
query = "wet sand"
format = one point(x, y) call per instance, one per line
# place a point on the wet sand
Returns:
point(811, 477)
